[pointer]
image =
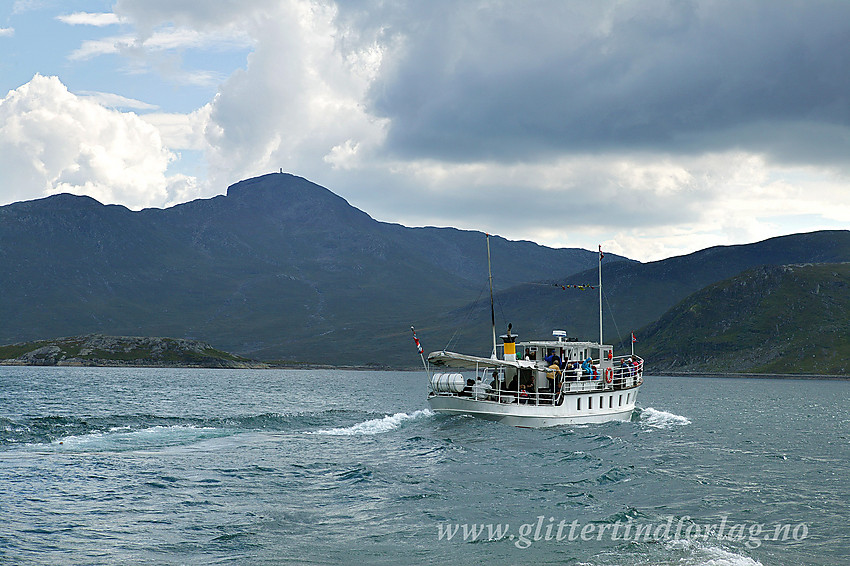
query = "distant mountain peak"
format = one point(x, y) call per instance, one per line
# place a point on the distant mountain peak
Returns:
point(274, 185)
point(266, 182)
point(287, 192)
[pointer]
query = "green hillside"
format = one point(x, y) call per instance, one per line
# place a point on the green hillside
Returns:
point(773, 319)
point(99, 350)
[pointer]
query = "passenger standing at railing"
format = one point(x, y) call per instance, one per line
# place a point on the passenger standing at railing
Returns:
point(587, 368)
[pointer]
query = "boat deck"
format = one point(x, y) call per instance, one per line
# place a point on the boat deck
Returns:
point(488, 384)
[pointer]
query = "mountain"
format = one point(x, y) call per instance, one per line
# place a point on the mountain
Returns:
point(634, 294)
point(772, 319)
point(281, 269)
point(278, 269)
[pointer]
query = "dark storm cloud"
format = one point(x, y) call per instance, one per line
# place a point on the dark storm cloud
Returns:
point(496, 80)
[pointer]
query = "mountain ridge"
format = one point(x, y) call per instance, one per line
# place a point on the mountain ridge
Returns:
point(282, 269)
point(635, 294)
point(278, 268)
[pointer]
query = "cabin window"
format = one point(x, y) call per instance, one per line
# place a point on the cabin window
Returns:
point(578, 404)
point(601, 402)
point(621, 400)
point(610, 401)
point(628, 398)
point(590, 402)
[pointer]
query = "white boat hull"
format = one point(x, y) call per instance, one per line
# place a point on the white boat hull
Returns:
point(604, 406)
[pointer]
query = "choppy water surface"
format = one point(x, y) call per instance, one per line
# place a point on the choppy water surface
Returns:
point(150, 466)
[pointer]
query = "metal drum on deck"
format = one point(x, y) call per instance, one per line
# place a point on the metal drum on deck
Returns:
point(447, 382)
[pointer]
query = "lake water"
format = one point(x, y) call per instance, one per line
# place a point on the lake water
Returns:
point(174, 466)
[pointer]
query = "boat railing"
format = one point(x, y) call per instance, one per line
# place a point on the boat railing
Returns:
point(627, 371)
point(621, 372)
point(624, 372)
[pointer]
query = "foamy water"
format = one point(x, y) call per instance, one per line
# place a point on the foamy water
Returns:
point(123, 438)
point(377, 426)
point(696, 553)
point(662, 419)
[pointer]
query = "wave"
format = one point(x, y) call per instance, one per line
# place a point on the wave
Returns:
point(704, 554)
point(122, 438)
point(128, 432)
point(140, 432)
point(661, 419)
point(376, 426)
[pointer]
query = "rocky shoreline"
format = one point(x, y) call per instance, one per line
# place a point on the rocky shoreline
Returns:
point(97, 350)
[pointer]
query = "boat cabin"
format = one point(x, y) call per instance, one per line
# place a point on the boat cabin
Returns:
point(568, 357)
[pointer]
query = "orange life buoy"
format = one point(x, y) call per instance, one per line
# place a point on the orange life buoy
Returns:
point(609, 375)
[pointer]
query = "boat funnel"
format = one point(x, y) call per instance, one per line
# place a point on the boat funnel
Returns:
point(509, 344)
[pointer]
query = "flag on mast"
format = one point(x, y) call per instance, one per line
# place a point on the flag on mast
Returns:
point(415, 339)
point(601, 255)
point(633, 338)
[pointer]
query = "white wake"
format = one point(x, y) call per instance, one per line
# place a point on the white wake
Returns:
point(376, 426)
point(662, 419)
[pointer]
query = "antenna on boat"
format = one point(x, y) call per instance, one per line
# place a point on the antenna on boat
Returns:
point(492, 310)
point(601, 255)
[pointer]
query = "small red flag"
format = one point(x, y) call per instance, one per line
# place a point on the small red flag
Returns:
point(415, 339)
point(601, 255)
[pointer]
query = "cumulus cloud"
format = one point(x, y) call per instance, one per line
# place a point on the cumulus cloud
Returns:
point(7, 32)
point(52, 141)
point(299, 103)
point(182, 131)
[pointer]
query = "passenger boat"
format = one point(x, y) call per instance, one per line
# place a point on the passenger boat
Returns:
point(538, 383)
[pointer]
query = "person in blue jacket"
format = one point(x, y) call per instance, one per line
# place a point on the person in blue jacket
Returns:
point(587, 369)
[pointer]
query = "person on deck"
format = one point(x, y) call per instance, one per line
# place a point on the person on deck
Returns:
point(587, 368)
point(480, 390)
point(573, 372)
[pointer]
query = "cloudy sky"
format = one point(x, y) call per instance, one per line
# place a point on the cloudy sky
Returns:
point(653, 127)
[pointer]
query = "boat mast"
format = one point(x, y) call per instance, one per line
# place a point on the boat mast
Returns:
point(600, 298)
point(492, 310)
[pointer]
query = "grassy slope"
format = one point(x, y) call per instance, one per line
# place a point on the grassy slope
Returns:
point(778, 319)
